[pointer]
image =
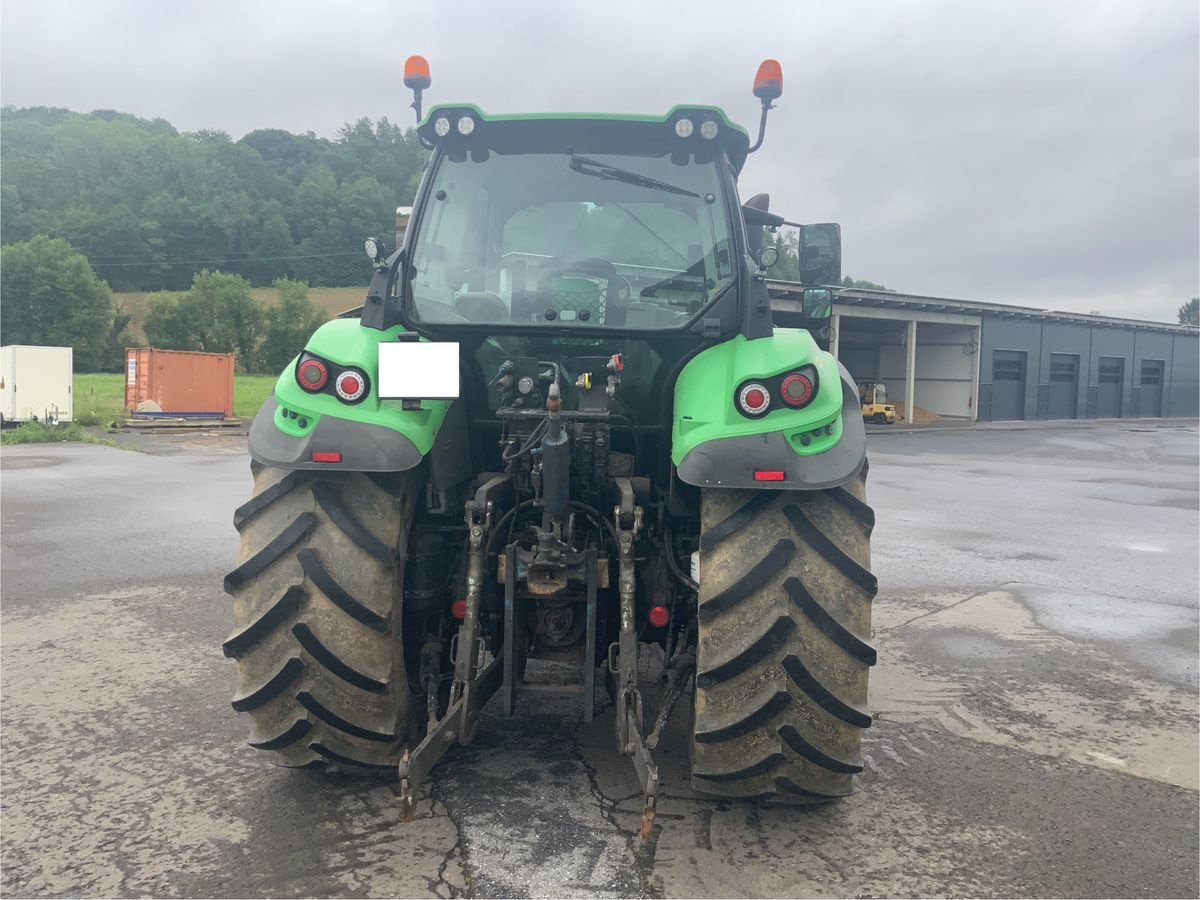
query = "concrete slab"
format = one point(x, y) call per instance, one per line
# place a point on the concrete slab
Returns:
point(1035, 704)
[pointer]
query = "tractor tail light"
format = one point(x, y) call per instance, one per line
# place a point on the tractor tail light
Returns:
point(312, 375)
point(350, 386)
point(769, 475)
point(754, 399)
point(659, 616)
point(458, 609)
point(796, 390)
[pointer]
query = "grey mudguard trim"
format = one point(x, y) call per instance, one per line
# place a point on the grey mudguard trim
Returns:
point(364, 448)
point(731, 462)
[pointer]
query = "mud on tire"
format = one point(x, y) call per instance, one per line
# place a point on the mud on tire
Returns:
point(784, 616)
point(316, 602)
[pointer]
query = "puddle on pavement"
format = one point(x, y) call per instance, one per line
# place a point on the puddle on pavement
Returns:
point(8, 461)
point(1041, 678)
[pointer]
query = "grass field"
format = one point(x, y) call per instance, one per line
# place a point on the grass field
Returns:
point(331, 300)
point(100, 398)
point(37, 433)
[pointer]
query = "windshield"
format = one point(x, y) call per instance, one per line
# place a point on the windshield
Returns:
point(589, 241)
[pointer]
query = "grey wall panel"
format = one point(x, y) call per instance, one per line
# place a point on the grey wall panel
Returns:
point(1116, 342)
point(1183, 377)
point(1152, 346)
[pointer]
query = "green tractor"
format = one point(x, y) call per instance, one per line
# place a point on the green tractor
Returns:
point(561, 428)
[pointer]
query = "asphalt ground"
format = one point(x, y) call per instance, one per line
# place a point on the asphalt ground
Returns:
point(1035, 703)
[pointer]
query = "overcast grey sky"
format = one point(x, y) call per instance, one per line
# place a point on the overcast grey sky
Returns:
point(1041, 152)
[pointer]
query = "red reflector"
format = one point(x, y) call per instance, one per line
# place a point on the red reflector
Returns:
point(659, 616)
point(754, 399)
point(350, 386)
point(335, 456)
point(761, 475)
point(458, 609)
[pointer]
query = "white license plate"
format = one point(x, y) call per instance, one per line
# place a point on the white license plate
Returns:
point(418, 370)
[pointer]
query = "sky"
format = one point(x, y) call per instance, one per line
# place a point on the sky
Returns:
point(1038, 152)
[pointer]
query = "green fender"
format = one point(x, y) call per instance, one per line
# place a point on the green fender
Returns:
point(819, 446)
point(372, 435)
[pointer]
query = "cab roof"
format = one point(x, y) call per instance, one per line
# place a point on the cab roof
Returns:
point(607, 128)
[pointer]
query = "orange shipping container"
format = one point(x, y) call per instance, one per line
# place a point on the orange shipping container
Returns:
point(180, 382)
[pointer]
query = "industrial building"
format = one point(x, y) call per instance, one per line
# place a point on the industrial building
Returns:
point(961, 359)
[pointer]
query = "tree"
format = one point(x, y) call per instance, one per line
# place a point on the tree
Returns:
point(52, 297)
point(218, 315)
point(1189, 313)
point(865, 285)
point(287, 325)
point(151, 207)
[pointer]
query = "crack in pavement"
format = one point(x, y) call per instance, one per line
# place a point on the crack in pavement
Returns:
point(941, 609)
point(643, 856)
point(458, 848)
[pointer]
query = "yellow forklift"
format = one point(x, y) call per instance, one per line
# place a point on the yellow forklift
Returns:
point(875, 407)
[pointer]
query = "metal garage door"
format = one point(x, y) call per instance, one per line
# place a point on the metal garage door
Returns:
point(1151, 395)
point(1112, 383)
point(1008, 384)
point(1064, 385)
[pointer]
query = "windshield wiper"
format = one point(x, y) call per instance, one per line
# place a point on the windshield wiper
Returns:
point(585, 166)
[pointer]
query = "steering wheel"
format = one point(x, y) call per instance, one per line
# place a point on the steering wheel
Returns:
point(618, 287)
point(481, 306)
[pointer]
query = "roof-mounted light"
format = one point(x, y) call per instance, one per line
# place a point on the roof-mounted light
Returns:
point(416, 73)
point(768, 86)
point(466, 125)
point(768, 82)
point(416, 79)
point(709, 129)
point(441, 126)
point(684, 127)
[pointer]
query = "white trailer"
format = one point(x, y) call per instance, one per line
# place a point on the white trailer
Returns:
point(35, 384)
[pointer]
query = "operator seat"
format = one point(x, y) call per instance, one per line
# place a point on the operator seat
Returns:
point(587, 287)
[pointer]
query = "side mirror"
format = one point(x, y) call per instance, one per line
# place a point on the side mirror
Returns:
point(820, 250)
point(817, 303)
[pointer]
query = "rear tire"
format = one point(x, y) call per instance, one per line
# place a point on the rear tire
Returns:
point(317, 610)
point(782, 658)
